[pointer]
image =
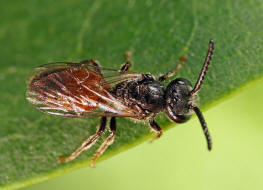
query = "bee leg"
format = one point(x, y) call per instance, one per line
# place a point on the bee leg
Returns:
point(173, 72)
point(96, 66)
point(156, 128)
point(87, 143)
point(106, 143)
point(127, 64)
point(94, 63)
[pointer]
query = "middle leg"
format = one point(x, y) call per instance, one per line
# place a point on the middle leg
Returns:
point(125, 67)
point(156, 128)
point(94, 63)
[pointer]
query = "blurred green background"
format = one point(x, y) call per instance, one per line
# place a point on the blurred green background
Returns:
point(176, 162)
point(34, 32)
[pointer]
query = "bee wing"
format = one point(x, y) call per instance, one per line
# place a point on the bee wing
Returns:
point(78, 90)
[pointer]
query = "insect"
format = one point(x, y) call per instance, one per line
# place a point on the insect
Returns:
point(87, 90)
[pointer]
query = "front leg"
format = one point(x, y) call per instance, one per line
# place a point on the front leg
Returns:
point(173, 72)
point(156, 128)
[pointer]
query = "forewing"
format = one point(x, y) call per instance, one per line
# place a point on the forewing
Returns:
point(77, 90)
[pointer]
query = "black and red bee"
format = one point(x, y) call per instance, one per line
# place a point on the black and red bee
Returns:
point(87, 90)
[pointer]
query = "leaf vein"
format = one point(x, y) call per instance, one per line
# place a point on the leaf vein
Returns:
point(85, 26)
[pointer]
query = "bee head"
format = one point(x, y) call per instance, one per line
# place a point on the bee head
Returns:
point(179, 100)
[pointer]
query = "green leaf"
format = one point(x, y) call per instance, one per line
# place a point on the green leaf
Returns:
point(158, 33)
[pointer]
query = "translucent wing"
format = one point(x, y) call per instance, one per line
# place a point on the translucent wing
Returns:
point(78, 90)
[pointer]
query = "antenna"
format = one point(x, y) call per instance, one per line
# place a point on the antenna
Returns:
point(204, 127)
point(204, 68)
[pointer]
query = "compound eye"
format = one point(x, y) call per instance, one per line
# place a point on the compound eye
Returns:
point(177, 99)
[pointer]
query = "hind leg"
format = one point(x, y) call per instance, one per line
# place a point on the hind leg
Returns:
point(106, 143)
point(87, 143)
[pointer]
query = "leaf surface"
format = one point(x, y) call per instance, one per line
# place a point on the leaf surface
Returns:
point(33, 33)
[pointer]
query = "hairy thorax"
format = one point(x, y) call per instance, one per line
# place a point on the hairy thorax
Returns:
point(146, 95)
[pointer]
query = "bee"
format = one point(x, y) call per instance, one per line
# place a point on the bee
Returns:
point(86, 89)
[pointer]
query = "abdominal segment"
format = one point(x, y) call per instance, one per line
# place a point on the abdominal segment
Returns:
point(67, 90)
